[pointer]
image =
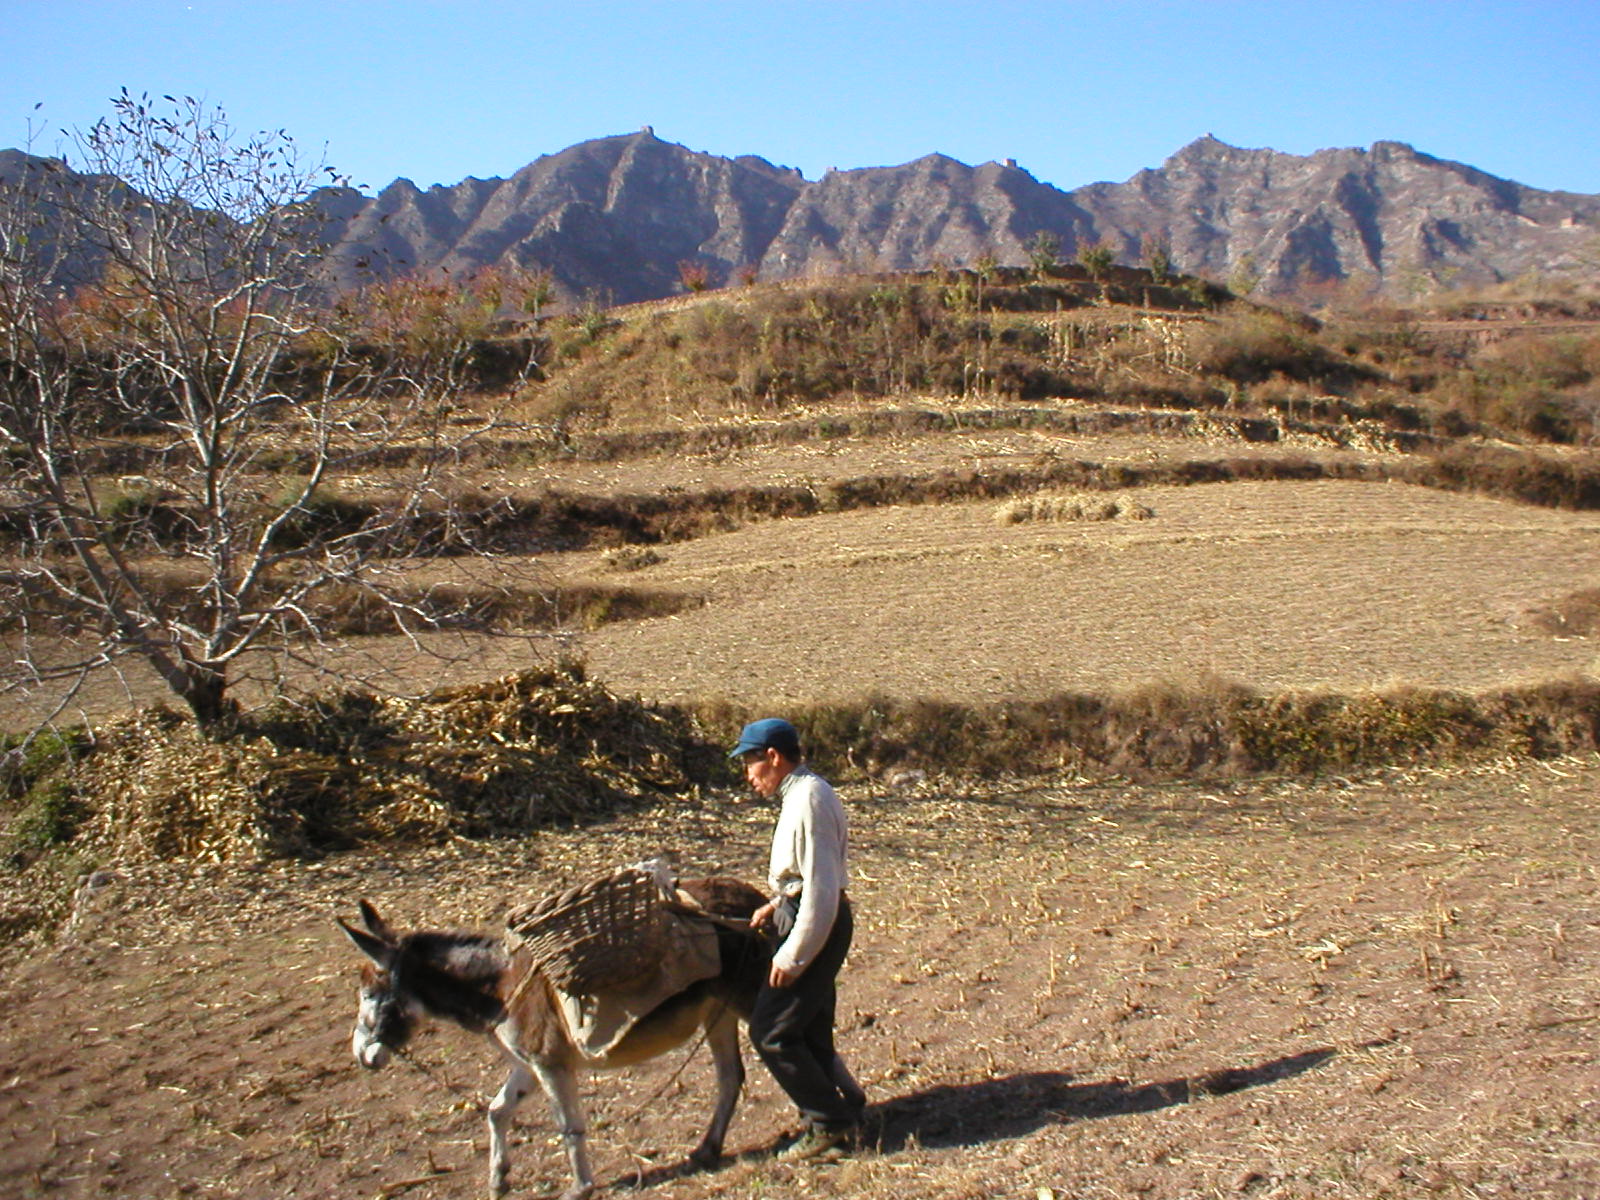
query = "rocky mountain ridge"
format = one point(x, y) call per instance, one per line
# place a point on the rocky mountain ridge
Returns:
point(617, 218)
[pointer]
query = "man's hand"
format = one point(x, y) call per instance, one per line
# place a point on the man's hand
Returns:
point(777, 977)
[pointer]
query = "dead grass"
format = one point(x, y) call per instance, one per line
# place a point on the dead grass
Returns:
point(769, 350)
point(1286, 586)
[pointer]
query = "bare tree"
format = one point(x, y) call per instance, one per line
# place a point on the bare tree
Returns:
point(179, 400)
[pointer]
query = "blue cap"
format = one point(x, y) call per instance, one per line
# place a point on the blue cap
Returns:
point(768, 733)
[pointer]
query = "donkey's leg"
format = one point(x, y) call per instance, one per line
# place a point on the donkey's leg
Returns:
point(560, 1083)
point(519, 1082)
point(722, 1035)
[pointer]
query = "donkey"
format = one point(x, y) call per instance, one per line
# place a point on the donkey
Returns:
point(471, 979)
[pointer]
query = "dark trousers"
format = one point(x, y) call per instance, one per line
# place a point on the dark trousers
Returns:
point(792, 1030)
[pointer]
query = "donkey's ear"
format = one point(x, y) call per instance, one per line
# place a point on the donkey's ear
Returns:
point(378, 950)
point(375, 924)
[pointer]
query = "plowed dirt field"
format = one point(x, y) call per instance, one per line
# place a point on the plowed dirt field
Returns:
point(1377, 987)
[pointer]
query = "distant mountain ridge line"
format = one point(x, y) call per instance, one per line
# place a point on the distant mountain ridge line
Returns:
point(617, 218)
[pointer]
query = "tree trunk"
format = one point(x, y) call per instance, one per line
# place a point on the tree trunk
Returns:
point(205, 692)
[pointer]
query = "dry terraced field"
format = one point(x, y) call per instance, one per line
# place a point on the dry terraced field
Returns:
point(1376, 986)
point(1276, 584)
point(1325, 585)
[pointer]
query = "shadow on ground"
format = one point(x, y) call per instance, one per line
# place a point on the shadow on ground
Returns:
point(967, 1114)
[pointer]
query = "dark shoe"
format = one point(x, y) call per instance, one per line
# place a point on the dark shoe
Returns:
point(856, 1099)
point(826, 1145)
point(849, 1090)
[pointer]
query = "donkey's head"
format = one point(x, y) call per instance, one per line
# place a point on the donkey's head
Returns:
point(386, 1016)
point(454, 976)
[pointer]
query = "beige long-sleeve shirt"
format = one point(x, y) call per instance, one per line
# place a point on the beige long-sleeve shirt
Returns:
point(808, 860)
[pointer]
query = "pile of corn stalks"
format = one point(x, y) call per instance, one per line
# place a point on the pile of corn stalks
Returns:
point(532, 749)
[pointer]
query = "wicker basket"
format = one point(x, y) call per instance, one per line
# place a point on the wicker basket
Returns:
point(598, 935)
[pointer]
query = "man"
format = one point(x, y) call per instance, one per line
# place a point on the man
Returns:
point(792, 1024)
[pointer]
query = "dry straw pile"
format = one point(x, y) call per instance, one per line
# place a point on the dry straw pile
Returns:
point(1070, 506)
point(535, 748)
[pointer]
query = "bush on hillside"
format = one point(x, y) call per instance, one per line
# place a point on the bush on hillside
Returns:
point(1255, 346)
point(1541, 385)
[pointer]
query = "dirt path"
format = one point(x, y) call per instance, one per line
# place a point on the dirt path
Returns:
point(1386, 986)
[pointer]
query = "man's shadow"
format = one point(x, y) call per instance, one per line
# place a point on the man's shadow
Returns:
point(969, 1114)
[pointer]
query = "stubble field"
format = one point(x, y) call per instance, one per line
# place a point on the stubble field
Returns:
point(1281, 585)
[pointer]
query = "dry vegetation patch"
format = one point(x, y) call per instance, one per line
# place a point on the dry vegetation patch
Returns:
point(540, 747)
point(1575, 615)
point(1072, 506)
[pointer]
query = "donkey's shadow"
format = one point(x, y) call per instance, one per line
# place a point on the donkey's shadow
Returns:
point(991, 1110)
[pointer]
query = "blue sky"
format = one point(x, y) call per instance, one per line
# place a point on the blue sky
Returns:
point(1074, 91)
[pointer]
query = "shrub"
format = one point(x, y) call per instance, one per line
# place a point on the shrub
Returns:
point(321, 515)
point(1158, 260)
point(1044, 251)
point(1096, 258)
point(1537, 384)
point(695, 276)
point(424, 316)
point(45, 809)
point(1255, 346)
point(140, 515)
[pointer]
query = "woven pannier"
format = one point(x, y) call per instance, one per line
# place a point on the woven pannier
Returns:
point(596, 936)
